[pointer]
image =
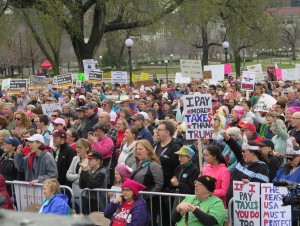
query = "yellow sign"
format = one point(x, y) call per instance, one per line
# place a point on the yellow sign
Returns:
point(144, 76)
point(107, 74)
point(134, 78)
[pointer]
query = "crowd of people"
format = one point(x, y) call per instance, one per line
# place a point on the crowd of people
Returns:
point(133, 138)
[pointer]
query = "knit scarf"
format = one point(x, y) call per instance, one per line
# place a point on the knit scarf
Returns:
point(31, 157)
point(126, 149)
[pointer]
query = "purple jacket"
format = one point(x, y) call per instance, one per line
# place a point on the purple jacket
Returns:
point(138, 215)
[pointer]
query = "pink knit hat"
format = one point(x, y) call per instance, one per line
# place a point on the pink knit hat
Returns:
point(133, 185)
point(240, 111)
point(293, 109)
point(123, 170)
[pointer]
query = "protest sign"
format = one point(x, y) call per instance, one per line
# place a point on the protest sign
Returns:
point(144, 76)
point(78, 84)
point(16, 86)
point(119, 77)
point(217, 71)
point(36, 82)
point(80, 77)
point(198, 116)
point(107, 75)
point(180, 79)
point(272, 211)
point(134, 78)
point(64, 80)
point(297, 66)
point(264, 103)
point(278, 73)
point(207, 75)
point(95, 77)
point(148, 83)
point(290, 74)
point(248, 80)
point(191, 68)
point(5, 84)
point(26, 195)
point(246, 203)
point(74, 76)
point(88, 65)
point(55, 80)
point(271, 72)
point(259, 76)
point(227, 68)
point(49, 108)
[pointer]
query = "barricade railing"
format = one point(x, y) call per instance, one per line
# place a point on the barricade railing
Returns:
point(162, 204)
point(24, 194)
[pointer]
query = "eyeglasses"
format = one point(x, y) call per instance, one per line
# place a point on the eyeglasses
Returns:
point(22, 92)
point(232, 85)
point(126, 190)
point(291, 158)
point(216, 119)
point(197, 183)
point(104, 104)
point(295, 118)
point(18, 119)
point(54, 116)
point(160, 129)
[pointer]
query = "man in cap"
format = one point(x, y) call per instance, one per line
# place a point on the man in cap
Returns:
point(292, 101)
point(138, 122)
point(93, 175)
point(211, 212)
point(249, 130)
point(186, 173)
point(90, 112)
point(64, 155)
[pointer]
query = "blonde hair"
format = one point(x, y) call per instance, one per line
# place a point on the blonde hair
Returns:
point(124, 122)
point(25, 119)
point(85, 143)
point(4, 133)
point(53, 185)
point(146, 144)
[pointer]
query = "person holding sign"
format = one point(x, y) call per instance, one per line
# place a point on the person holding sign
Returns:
point(251, 164)
point(203, 208)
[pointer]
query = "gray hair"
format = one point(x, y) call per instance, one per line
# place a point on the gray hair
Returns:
point(234, 131)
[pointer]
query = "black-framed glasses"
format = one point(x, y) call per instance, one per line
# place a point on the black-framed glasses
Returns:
point(291, 158)
point(17, 119)
point(55, 116)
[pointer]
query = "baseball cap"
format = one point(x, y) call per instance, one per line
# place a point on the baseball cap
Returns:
point(146, 116)
point(249, 126)
point(266, 143)
point(185, 150)
point(12, 140)
point(89, 105)
point(36, 137)
point(94, 155)
point(59, 133)
point(80, 109)
point(138, 117)
point(51, 99)
point(59, 121)
point(81, 97)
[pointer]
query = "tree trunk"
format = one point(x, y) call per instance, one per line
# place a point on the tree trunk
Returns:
point(293, 52)
point(237, 62)
point(205, 46)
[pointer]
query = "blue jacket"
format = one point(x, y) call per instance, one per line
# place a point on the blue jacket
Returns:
point(138, 215)
point(58, 204)
point(144, 133)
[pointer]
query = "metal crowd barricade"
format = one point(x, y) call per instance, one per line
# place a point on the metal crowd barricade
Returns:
point(34, 198)
point(167, 198)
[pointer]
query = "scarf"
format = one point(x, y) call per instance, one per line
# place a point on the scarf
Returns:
point(126, 149)
point(31, 158)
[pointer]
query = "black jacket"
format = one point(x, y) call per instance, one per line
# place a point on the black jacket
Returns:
point(65, 157)
point(186, 177)
point(91, 121)
point(169, 161)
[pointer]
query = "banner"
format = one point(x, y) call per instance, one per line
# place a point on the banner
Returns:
point(49, 108)
point(55, 80)
point(88, 65)
point(198, 116)
point(217, 71)
point(5, 84)
point(26, 195)
point(16, 86)
point(134, 78)
point(227, 68)
point(272, 211)
point(264, 103)
point(80, 77)
point(290, 74)
point(180, 79)
point(148, 83)
point(207, 74)
point(259, 76)
point(248, 80)
point(271, 72)
point(246, 203)
point(37, 82)
point(191, 68)
point(64, 80)
point(144, 76)
point(95, 77)
point(119, 77)
point(278, 73)
point(107, 75)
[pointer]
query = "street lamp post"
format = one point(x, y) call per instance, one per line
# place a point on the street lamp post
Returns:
point(225, 46)
point(290, 52)
point(129, 44)
point(257, 53)
point(279, 55)
point(171, 58)
point(167, 78)
point(100, 62)
point(263, 55)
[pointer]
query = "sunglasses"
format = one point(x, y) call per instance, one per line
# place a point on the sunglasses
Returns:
point(17, 119)
point(291, 158)
point(54, 115)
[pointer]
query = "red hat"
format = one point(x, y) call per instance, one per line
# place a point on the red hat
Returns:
point(250, 126)
point(133, 185)
point(59, 133)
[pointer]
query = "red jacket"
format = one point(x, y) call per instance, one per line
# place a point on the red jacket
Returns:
point(8, 203)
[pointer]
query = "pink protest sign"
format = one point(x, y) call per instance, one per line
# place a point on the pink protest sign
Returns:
point(227, 69)
point(278, 73)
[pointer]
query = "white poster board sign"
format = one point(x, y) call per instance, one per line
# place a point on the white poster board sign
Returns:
point(290, 74)
point(6, 84)
point(74, 77)
point(180, 79)
point(26, 195)
point(264, 103)
point(88, 65)
point(272, 211)
point(198, 116)
point(119, 77)
point(246, 203)
point(191, 68)
point(248, 80)
point(217, 71)
point(259, 76)
point(78, 84)
point(49, 108)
